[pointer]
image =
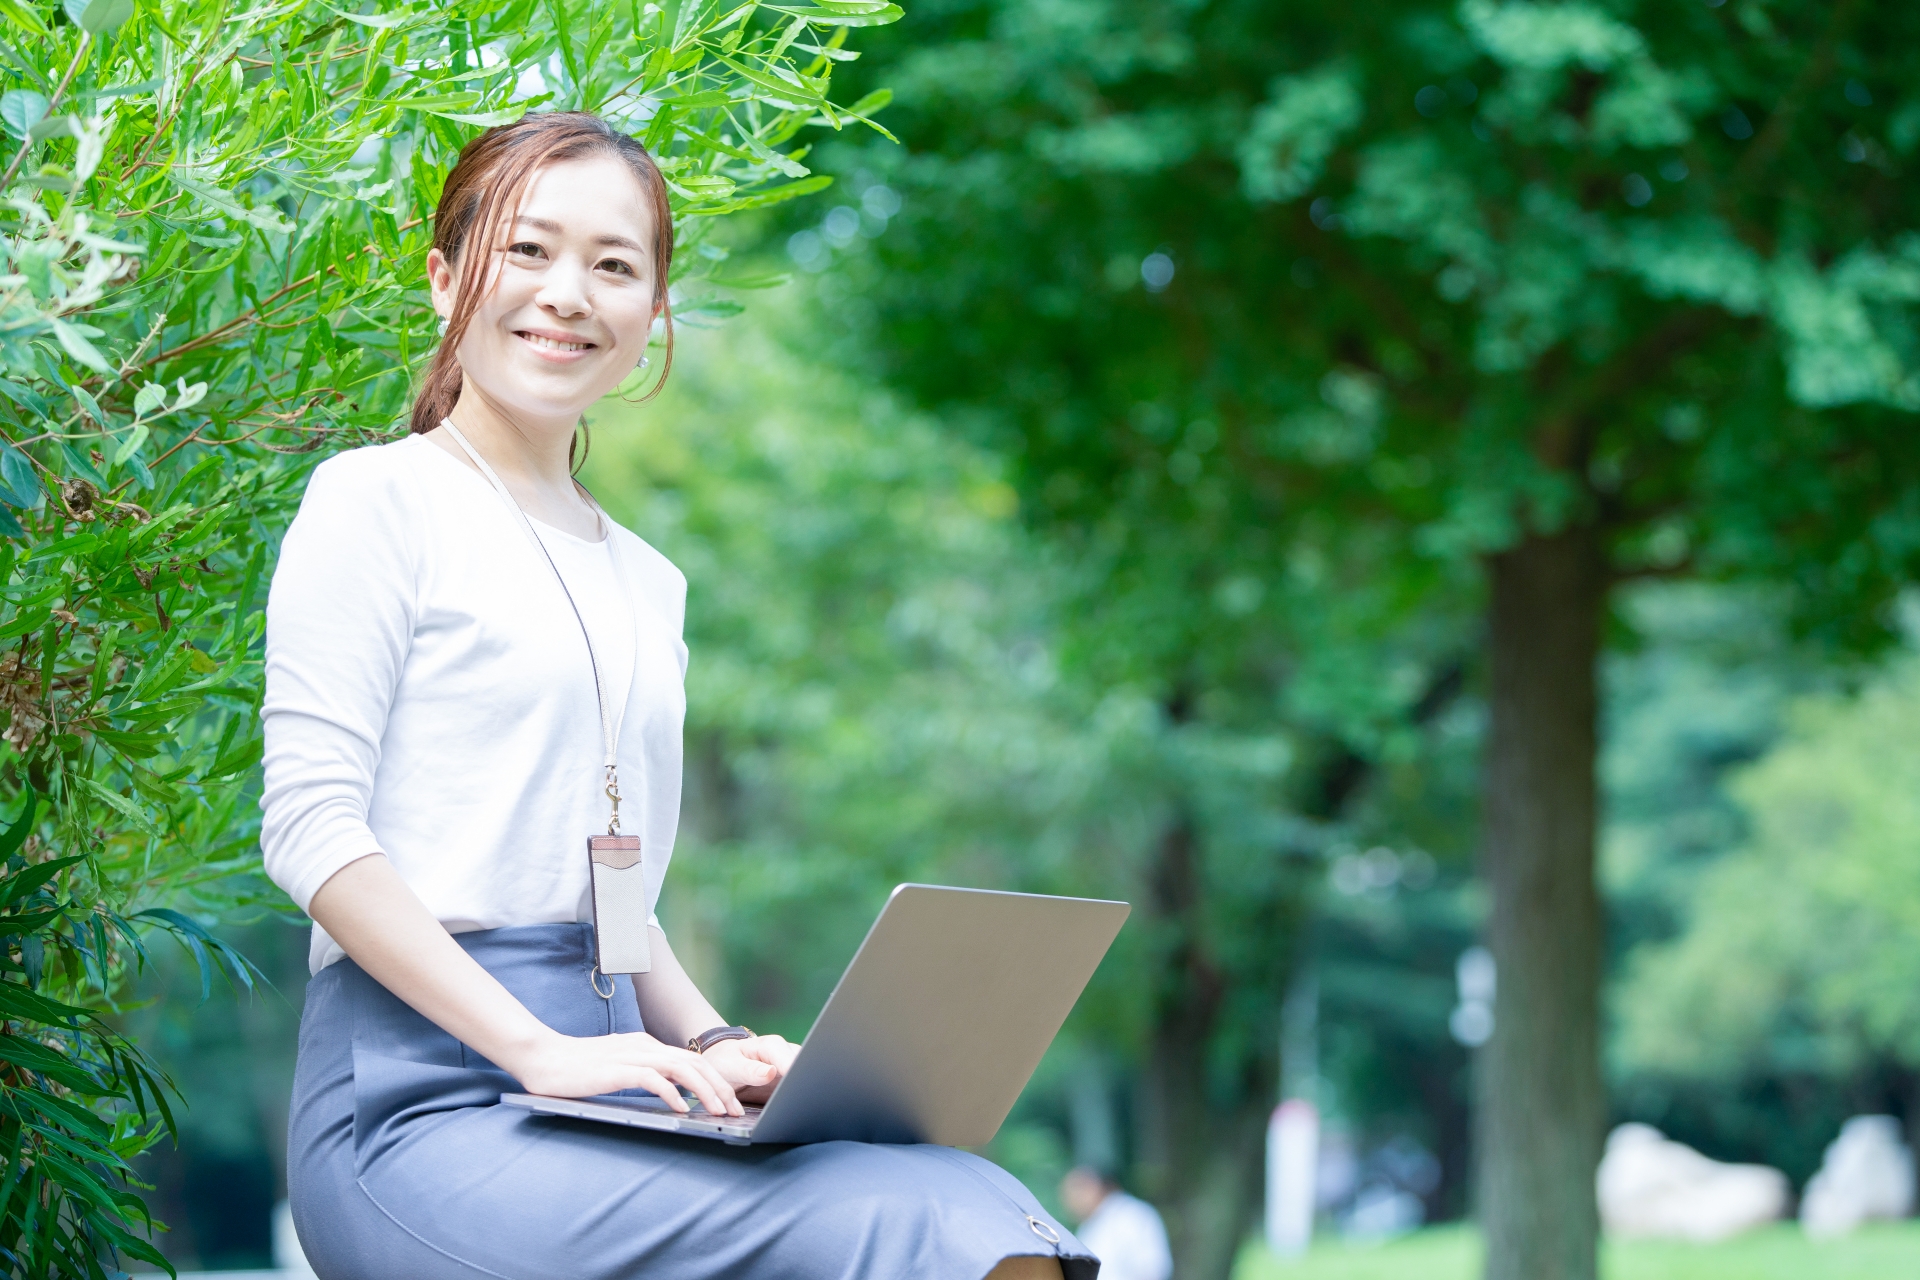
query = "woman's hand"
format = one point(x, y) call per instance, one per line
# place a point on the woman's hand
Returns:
point(753, 1067)
point(582, 1066)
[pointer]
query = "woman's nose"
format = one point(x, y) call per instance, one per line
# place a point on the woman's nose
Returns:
point(566, 290)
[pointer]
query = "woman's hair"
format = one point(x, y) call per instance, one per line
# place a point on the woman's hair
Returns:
point(482, 192)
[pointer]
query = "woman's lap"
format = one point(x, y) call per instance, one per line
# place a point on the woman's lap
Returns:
point(404, 1164)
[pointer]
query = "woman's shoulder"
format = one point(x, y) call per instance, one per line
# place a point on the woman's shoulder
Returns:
point(373, 468)
point(643, 559)
point(390, 483)
point(365, 501)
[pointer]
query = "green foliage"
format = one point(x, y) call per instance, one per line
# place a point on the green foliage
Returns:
point(215, 220)
point(1797, 953)
point(1287, 322)
point(1652, 270)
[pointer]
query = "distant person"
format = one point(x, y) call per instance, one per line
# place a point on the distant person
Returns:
point(1123, 1231)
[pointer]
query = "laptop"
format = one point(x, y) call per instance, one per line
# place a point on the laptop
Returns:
point(930, 1035)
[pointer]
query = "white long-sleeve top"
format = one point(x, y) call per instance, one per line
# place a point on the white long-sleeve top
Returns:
point(429, 697)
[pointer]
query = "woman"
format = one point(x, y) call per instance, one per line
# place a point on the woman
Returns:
point(465, 660)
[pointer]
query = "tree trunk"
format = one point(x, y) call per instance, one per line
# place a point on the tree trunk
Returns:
point(1199, 1155)
point(1541, 1104)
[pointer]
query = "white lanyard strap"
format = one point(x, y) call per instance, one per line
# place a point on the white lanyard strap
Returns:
point(609, 721)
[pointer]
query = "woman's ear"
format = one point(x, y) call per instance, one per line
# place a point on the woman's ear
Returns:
point(442, 282)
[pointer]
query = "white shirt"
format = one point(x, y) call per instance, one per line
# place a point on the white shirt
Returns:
point(1126, 1234)
point(428, 695)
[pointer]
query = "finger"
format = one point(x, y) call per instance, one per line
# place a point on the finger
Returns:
point(723, 1085)
point(724, 1062)
point(776, 1051)
point(654, 1082)
point(715, 1094)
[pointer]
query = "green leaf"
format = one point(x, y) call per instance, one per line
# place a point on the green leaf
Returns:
point(772, 196)
point(10, 526)
point(124, 807)
point(18, 829)
point(120, 91)
point(149, 398)
point(265, 217)
point(875, 101)
point(102, 16)
point(481, 119)
point(20, 110)
point(766, 280)
point(196, 938)
point(131, 445)
point(23, 884)
point(62, 126)
point(822, 16)
point(28, 400)
point(89, 405)
point(22, 16)
point(379, 22)
point(710, 310)
point(79, 347)
point(21, 481)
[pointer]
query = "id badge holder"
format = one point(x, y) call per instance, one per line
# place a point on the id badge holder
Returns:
point(619, 905)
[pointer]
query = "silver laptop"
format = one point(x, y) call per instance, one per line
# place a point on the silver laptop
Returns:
point(930, 1035)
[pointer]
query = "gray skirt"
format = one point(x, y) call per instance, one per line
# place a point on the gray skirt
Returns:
point(403, 1165)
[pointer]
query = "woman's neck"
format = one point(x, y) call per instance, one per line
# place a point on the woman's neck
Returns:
point(530, 459)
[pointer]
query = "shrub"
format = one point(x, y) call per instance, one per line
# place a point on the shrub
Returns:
point(215, 222)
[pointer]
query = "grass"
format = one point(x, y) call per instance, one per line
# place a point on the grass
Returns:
point(1890, 1252)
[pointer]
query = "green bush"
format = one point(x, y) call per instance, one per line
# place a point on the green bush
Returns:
point(215, 222)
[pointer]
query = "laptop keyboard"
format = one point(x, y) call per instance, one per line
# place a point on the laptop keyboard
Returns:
point(650, 1102)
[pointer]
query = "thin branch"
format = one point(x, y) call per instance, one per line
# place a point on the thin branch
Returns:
point(1779, 127)
point(26, 145)
point(257, 314)
point(1685, 567)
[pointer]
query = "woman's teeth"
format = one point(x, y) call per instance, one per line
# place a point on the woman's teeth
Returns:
point(554, 344)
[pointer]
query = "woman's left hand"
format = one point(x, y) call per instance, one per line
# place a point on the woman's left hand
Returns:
point(753, 1067)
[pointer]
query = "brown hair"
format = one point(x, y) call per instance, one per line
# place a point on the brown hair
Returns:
point(482, 191)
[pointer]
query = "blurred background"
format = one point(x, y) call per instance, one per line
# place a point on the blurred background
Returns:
point(1115, 486)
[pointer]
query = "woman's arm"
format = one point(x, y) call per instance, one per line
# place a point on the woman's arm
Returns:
point(369, 910)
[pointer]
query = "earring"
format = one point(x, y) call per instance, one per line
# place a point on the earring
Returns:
point(644, 362)
point(443, 324)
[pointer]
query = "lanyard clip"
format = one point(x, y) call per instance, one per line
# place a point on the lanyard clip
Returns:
point(613, 794)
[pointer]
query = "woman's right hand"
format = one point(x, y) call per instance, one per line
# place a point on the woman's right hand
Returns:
point(583, 1066)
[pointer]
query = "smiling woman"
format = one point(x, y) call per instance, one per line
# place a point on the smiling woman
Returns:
point(464, 657)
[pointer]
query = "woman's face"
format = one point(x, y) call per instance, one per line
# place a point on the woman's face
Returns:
point(571, 305)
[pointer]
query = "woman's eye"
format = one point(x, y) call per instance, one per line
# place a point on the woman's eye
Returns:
point(615, 265)
point(527, 248)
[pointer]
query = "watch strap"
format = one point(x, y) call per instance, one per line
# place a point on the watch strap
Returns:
point(714, 1035)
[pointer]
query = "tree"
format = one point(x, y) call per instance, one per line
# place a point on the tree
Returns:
point(215, 234)
point(1447, 311)
point(1796, 956)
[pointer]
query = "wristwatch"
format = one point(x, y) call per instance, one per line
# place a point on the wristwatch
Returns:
point(707, 1039)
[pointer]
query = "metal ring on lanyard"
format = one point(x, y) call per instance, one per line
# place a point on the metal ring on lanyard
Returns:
point(595, 976)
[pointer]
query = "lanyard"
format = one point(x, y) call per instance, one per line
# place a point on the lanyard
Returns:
point(609, 722)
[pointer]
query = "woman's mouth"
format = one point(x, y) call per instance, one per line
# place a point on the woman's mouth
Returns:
point(547, 342)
